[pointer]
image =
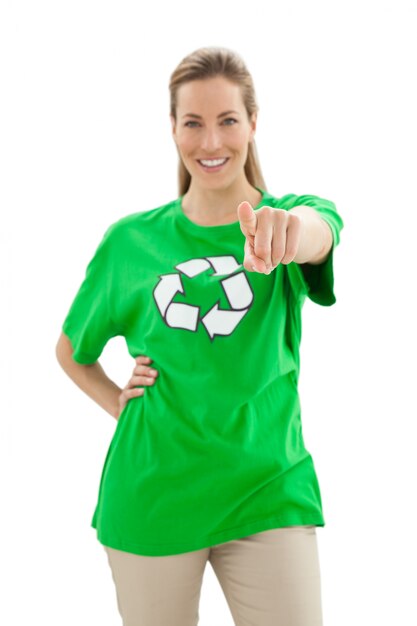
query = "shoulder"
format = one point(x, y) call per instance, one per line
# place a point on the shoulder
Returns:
point(286, 201)
point(138, 223)
point(290, 200)
point(314, 201)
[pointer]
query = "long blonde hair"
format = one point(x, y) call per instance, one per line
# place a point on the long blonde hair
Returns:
point(209, 62)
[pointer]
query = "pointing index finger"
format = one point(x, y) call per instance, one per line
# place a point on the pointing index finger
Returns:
point(247, 218)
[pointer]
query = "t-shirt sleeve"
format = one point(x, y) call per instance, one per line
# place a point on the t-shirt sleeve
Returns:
point(316, 281)
point(90, 321)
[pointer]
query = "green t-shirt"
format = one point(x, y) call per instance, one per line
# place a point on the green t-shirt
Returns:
point(214, 449)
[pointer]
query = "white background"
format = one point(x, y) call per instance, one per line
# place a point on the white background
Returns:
point(85, 139)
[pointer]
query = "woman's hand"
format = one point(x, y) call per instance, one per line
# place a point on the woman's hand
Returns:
point(272, 236)
point(142, 375)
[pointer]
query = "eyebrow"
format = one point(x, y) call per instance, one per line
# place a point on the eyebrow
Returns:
point(199, 116)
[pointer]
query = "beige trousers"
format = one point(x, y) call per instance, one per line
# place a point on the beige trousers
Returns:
point(271, 578)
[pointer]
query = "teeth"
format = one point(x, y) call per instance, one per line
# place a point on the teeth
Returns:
point(213, 162)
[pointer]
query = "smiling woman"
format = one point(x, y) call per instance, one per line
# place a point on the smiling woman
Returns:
point(215, 148)
point(208, 461)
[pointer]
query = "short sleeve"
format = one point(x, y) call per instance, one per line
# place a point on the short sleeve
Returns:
point(316, 281)
point(90, 321)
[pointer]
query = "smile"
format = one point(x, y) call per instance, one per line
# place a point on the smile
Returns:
point(213, 165)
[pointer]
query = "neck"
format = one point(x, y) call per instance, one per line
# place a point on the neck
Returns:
point(217, 206)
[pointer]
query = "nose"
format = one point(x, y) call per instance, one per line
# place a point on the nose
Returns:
point(211, 140)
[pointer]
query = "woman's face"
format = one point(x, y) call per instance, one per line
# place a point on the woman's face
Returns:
point(212, 123)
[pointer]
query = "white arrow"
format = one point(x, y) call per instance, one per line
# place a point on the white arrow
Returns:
point(193, 267)
point(219, 322)
point(238, 291)
point(166, 289)
point(181, 315)
point(223, 265)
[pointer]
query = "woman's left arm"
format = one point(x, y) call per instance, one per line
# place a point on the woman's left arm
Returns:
point(316, 238)
point(275, 236)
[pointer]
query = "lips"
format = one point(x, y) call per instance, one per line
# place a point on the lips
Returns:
point(215, 168)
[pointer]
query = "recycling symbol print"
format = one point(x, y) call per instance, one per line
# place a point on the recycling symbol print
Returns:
point(217, 321)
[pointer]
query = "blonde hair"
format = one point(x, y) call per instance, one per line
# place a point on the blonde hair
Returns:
point(209, 62)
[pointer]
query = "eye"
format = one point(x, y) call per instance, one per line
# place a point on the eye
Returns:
point(228, 119)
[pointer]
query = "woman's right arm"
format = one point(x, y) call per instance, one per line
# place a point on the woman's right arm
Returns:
point(93, 380)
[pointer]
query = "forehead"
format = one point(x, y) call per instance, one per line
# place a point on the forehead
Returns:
point(209, 95)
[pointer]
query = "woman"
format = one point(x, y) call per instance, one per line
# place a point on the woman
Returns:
point(208, 462)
